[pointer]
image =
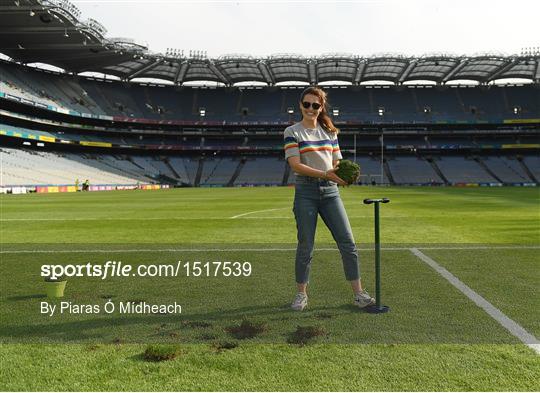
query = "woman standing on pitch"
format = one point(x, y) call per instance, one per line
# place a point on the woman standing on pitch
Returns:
point(312, 151)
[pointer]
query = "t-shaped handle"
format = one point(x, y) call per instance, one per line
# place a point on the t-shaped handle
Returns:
point(370, 201)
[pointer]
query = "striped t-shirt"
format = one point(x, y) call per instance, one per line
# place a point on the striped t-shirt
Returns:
point(317, 148)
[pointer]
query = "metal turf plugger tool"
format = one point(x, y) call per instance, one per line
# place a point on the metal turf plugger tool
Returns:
point(377, 308)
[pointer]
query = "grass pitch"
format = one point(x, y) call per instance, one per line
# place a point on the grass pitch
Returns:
point(434, 338)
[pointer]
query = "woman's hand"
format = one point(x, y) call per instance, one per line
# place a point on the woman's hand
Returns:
point(304, 170)
point(331, 175)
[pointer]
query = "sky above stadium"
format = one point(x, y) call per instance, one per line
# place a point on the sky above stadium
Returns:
point(362, 27)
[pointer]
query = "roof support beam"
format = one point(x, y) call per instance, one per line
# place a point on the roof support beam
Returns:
point(537, 72)
point(21, 9)
point(453, 71)
point(501, 70)
point(33, 30)
point(406, 72)
point(313, 75)
point(359, 72)
point(222, 77)
point(267, 73)
point(182, 71)
point(143, 69)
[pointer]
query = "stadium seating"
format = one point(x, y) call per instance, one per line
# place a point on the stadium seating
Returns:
point(404, 164)
point(29, 167)
point(460, 170)
point(507, 169)
point(533, 164)
point(370, 169)
point(411, 169)
point(183, 168)
point(218, 171)
point(234, 104)
point(262, 170)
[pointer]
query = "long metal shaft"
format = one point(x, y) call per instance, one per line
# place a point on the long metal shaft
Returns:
point(377, 258)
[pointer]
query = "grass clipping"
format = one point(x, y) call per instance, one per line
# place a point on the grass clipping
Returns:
point(349, 171)
point(306, 334)
point(161, 352)
point(246, 329)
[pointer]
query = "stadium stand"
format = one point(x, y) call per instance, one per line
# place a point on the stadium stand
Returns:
point(262, 171)
point(59, 126)
point(370, 169)
point(507, 169)
point(218, 171)
point(180, 166)
point(532, 164)
point(236, 104)
point(460, 170)
point(28, 167)
point(407, 170)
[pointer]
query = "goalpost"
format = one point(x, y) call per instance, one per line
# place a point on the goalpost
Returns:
point(368, 178)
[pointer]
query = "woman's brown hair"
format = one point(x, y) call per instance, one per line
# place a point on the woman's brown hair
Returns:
point(323, 117)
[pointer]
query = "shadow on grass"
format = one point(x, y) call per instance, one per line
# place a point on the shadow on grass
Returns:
point(27, 297)
point(102, 328)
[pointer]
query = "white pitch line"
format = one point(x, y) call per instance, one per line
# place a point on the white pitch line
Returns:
point(531, 247)
point(254, 249)
point(258, 211)
point(513, 327)
point(178, 250)
point(292, 217)
point(113, 219)
point(243, 216)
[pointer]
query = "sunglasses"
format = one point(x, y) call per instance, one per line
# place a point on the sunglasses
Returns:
point(314, 105)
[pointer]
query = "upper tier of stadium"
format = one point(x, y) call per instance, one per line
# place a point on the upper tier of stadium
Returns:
point(113, 100)
point(51, 31)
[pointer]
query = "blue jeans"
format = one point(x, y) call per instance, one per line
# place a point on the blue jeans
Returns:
point(313, 197)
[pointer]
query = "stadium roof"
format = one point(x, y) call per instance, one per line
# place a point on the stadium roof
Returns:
point(50, 31)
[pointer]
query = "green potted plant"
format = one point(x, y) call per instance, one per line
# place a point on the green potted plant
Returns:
point(55, 286)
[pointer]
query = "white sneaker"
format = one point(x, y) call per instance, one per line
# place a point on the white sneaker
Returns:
point(362, 299)
point(300, 302)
